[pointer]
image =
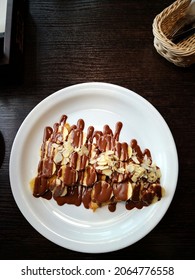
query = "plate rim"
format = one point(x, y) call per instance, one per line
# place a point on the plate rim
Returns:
point(70, 89)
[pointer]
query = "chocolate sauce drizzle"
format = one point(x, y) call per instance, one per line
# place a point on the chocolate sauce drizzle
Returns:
point(78, 181)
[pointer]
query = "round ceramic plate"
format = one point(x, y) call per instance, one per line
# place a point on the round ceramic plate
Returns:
point(77, 228)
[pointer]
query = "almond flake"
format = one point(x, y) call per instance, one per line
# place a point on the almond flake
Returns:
point(129, 151)
point(84, 151)
point(101, 167)
point(65, 132)
point(134, 158)
point(109, 152)
point(121, 170)
point(152, 177)
point(107, 172)
point(130, 191)
point(58, 158)
point(130, 168)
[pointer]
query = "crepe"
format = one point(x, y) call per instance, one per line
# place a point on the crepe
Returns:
point(94, 168)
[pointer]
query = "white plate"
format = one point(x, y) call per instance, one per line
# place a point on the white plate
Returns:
point(98, 104)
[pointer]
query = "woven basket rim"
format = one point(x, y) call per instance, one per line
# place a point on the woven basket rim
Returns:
point(158, 33)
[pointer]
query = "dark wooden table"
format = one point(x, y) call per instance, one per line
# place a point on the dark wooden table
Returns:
point(71, 41)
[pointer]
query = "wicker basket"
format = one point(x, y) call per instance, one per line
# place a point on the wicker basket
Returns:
point(181, 54)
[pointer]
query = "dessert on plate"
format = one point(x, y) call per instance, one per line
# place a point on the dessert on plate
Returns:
point(94, 168)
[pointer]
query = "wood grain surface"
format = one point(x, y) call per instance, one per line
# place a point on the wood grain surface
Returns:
point(72, 41)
